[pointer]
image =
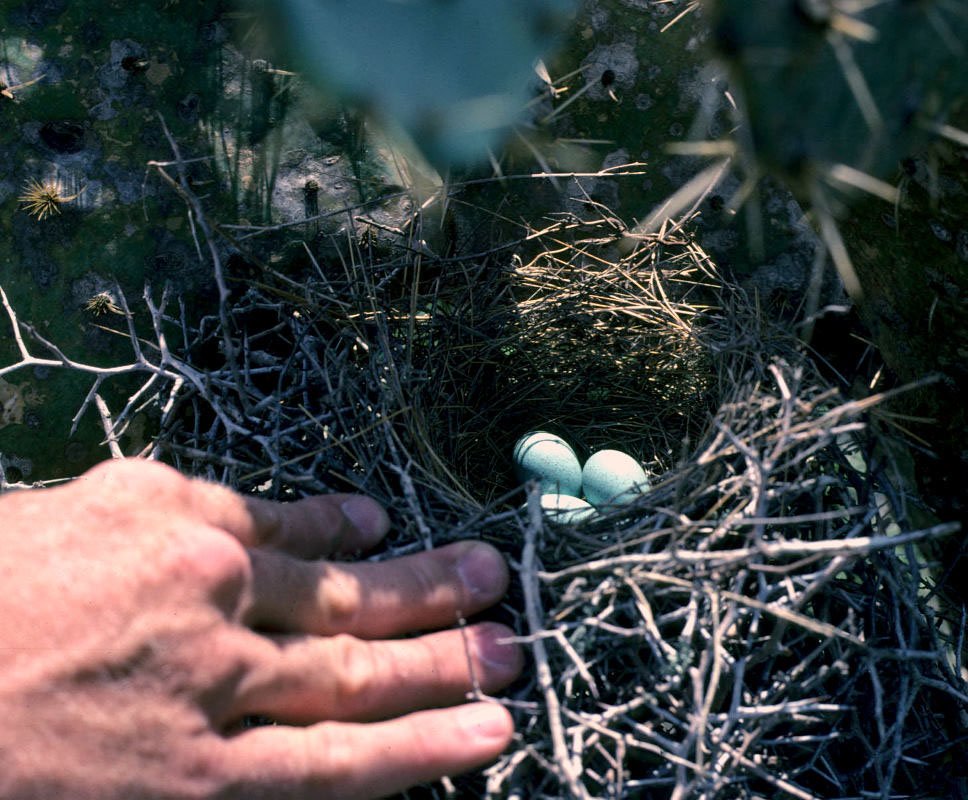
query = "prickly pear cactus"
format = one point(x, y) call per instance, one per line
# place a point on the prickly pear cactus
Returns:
point(829, 82)
point(82, 88)
point(880, 88)
point(453, 75)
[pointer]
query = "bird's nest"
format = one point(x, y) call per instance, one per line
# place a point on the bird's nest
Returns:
point(763, 623)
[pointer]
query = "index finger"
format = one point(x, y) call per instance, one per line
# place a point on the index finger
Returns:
point(313, 527)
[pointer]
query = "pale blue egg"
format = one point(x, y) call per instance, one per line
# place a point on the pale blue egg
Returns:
point(611, 477)
point(564, 509)
point(544, 457)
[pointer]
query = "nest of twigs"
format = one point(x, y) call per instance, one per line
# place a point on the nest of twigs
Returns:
point(762, 624)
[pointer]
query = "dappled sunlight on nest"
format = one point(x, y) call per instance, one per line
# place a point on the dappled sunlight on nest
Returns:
point(763, 623)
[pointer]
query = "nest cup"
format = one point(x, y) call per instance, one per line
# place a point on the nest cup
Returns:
point(602, 350)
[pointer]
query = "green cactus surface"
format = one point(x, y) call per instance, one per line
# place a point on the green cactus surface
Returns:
point(825, 84)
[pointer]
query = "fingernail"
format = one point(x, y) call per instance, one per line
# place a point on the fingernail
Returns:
point(367, 516)
point(481, 570)
point(488, 649)
point(485, 721)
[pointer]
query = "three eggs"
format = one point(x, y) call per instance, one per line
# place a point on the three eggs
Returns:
point(609, 477)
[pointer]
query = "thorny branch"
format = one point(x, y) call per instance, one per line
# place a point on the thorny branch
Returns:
point(570, 770)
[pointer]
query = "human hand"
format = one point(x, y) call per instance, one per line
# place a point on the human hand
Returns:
point(143, 615)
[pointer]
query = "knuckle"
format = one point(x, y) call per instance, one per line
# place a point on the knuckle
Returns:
point(204, 772)
point(355, 672)
point(128, 471)
point(424, 740)
point(342, 604)
point(133, 488)
point(427, 576)
point(229, 659)
point(267, 518)
point(204, 564)
point(325, 738)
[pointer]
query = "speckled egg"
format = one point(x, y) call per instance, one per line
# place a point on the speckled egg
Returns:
point(547, 458)
point(565, 509)
point(611, 477)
